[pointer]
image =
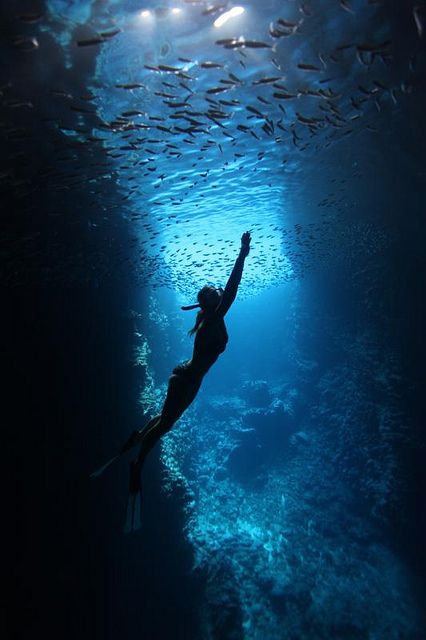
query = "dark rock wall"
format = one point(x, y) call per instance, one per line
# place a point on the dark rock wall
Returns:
point(69, 399)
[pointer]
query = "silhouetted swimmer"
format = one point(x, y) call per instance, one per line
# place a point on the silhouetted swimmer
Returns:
point(210, 341)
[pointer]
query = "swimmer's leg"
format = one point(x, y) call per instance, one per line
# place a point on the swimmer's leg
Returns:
point(134, 501)
point(137, 436)
point(180, 394)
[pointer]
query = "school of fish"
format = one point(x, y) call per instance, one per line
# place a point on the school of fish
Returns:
point(186, 135)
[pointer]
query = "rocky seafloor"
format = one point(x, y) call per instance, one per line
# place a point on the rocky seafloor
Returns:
point(292, 491)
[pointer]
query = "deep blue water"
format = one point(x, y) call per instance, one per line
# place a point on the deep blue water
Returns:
point(288, 501)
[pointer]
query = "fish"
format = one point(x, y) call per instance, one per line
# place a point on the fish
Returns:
point(355, 103)
point(364, 58)
point(110, 34)
point(134, 112)
point(131, 85)
point(217, 89)
point(284, 96)
point(269, 80)
point(287, 23)
point(255, 111)
point(267, 129)
point(82, 109)
point(345, 4)
point(281, 87)
point(419, 18)
point(371, 47)
point(230, 103)
point(167, 68)
point(234, 78)
point(234, 43)
point(175, 105)
point(89, 42)
point(184, 86)
point(307, 121)
point(215, 121)
point(25, 43)
point(343, 47)
point(380, 85)
point(321, 57)
point(163, 94)
point(305, 9)
point(30, 18)
point(308, 67)
point(14, 104)
point(186, 76)
point(212, 9)
point(211, 65)
point(279, 33)
point(257, 44)
point(329, 94)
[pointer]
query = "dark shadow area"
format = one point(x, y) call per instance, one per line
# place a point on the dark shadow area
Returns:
point(70, 394)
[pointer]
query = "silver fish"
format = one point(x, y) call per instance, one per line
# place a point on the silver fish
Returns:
point(211, 65)
point(213, 9)
point(130, 85)
point(284, 96)
point(30, 18)
point(419, 19)
point(168, 68)
point(266, 80)
point(345, 4)
point(26, 43)
point(110, 34)
point(89, 42)
point(217, 89)
point(308, 67)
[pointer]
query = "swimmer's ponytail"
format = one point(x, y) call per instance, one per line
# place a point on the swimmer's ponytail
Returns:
point(198, 321)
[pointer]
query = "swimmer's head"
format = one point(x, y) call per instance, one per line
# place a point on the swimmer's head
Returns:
point(209, 297)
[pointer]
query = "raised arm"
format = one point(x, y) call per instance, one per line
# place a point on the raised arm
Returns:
point(235, 278)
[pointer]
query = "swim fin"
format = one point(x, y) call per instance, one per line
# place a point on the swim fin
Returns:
point(134, 439)
point(100, 471)
point(133, 520)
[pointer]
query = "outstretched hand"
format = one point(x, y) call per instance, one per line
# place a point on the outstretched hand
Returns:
point(245, 243)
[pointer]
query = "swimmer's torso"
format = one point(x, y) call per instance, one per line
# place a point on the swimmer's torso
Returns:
point(210, 341)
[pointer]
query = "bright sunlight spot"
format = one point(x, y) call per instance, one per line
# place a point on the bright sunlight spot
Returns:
point(232, 13)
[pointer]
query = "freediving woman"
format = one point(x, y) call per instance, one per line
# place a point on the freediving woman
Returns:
point(210, 341)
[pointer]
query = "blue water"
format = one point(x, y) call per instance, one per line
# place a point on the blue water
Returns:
point(287, 503)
